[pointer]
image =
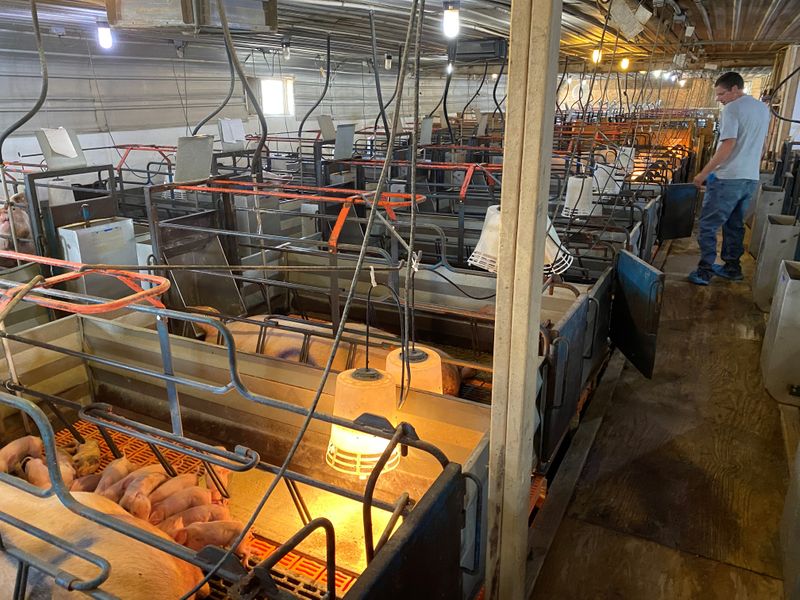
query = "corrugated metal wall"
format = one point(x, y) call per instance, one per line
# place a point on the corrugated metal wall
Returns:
point(143, 92)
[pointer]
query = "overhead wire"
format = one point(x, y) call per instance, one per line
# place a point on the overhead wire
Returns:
point(227, 98)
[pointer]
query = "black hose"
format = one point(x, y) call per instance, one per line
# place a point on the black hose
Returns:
point(42, 92)
point(775, 91)
point(217, 110)
point(324, 89)
point(377, 74)
point(444, 106)
point(494, 95)
point(226, 32)
point(430, 114)
point(480, 87)
point(389, 101)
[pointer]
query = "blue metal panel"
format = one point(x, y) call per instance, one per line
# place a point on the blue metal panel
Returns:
point(635, 310)
point(678, 210)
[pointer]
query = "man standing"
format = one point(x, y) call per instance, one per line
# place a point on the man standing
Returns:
point(731, 177)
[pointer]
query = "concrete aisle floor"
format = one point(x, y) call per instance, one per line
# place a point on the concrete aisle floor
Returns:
point(682, 491)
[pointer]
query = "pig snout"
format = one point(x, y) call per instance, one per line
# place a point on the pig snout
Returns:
point(179, 502)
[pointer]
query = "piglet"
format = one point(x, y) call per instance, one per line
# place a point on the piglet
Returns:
point(175, 484)
point(87, 458)
point(36, 472)
point(87, 483)
point(13, 452)
point(116, 491)
point(116, 470)
point(179, 502)
point(135, 499)
point(197, 514)
point(215, 533)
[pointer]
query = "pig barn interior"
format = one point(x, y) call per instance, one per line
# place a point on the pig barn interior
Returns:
point(373, 299)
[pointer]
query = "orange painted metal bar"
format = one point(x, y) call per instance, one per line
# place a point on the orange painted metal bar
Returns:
point(77, 270)
point(162, 150)
point(337, 226)
point(432, 166)
point(311, 188)
point(468, 148)
point(355, 199)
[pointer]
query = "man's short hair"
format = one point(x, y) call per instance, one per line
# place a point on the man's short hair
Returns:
point(730, 79)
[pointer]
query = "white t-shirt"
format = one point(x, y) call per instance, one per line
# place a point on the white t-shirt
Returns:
point(746, 120)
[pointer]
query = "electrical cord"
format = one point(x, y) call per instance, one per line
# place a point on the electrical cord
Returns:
point(494, 95)
point(444, 107)
point(775, 91)
point(231, 87)
point(389, 101)
point(377, 73)
point(478, 91)
point(262, 140)
point(343, 321)
point(324, 89)
point(42, 90)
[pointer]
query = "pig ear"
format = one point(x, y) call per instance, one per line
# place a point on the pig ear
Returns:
point(181, 536)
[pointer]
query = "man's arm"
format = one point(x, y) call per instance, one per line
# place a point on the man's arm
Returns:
point(720, 156)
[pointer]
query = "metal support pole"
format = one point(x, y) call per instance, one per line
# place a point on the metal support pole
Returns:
point(533, 65)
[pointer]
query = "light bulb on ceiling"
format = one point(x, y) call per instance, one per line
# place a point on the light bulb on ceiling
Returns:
point(597, 55)
point(104, 38)
point(657, 73)
point(449, 68)
point(624, 64)
point(673, 77)
point(387, 62)
point(286, 47)
point(451, 19)
point(682, 83)
point(494, 75)
point(665, 75)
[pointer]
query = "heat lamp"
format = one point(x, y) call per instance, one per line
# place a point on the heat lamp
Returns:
point(557, 258)
point(425, 365)
point(578, 199)
point(359, 392)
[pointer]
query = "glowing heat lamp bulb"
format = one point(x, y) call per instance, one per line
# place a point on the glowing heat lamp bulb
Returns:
point(360, 391)
point(624, 64)
point(426, 368)
point(104, 37)
point(450, 20)
point(597, 56)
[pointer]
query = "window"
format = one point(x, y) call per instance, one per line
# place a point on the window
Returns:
point(277, 96)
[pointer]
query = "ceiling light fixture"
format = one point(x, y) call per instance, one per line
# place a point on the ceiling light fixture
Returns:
point(286, 47)
point(624, 64)
point(104, 37)
point(449, 68)
point(387, 62)
point(451, 19)
point(597, 55)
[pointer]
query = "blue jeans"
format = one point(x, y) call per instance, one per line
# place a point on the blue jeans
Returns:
point(724, 205)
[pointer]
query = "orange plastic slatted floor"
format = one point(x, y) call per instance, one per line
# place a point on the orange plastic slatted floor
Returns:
point(137, 451)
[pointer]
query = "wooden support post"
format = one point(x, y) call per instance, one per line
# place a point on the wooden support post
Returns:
point(533, 65)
